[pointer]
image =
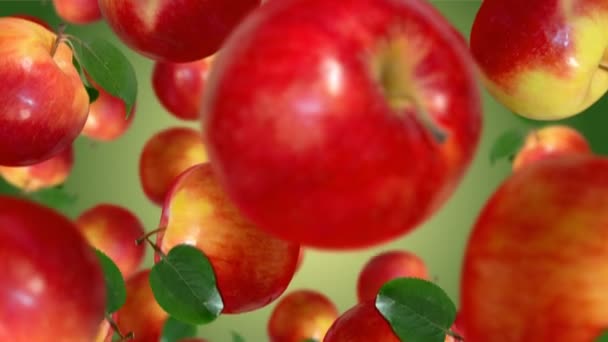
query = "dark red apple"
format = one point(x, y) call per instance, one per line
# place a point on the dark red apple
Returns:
point(44, 104)
point(52, 286)
point(301, 315)
point(179, 86)
point(113, 230)
point(252, 268)
point(385, 267)
point(175, 30)
point(78, 11)
point(341, 124)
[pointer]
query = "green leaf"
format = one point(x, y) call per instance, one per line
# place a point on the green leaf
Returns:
point(56, 198)
point(236, 337)
point(184, 285)
point(417, 309)
point(603, 337)
point(116, 292)
point(91, 91)
point(108, 67)
point(507, 145)
point(175, 330)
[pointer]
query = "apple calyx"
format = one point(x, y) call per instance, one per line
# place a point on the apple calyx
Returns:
point(393, 65)
point(114, 326)
point(60, 36)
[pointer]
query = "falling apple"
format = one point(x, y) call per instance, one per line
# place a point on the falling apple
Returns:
point(113, 230)
point(175, 30)
point(543, 59)
point(301, 315)
point(141, 314)
point(44, 104)
point(341, 124)
point(535, 264)
point(387, 266)
point(179, 86)
point(78, 11)
point(252, 268)
point(52, 286)
point(548, 142)
point(47, 174)
point(166, 155)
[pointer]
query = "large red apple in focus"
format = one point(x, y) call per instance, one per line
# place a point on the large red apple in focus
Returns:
point(44, 104)
point(252, 267)
point(175, 30)
point(323, 119)
point(52, 286)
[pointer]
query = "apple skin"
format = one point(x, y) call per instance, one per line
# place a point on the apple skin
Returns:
point(52, 286)
point(141, 314)
point(300, 315)
point(179, 86)
point(537, 254)
point(78, 11)
point(548, 142)
point(176, 31)
point(387, 266)
point(34, 19)
point(44, 103)
point(107, 118)
point(113, 230)
point(165, 156)
point(544, 69)
point(252, 268)
point(363, 323)
point(296, 168)
point(47, 174)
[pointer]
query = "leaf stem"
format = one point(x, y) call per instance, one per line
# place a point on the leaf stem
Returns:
point(60, 36)
point(155, 248)
point(114, 326)
point(144, 237)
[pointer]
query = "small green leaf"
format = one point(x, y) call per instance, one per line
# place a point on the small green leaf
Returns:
point(108, 67)
point(603, 337)
point(56, 197)
point(236, 337)
point(507, 145)
point(184, 285)
point(116, 292)
point(417, 309)
point(175, 330)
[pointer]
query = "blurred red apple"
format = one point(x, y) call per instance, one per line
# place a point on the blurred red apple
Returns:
point(78, 11)
point(179, 86)
point(339, 135)
point(535, 265)
point(105, 332)
point(44, 104)
point(52, 286)
point(47, 174)
point(107, 119)
point(165, 156)
point(550, 141)
point(387, 266)
point(113, 230)
point(252, 268)
point(300, 259)
point(301, 315)
point(141, 314)
point(175, 30)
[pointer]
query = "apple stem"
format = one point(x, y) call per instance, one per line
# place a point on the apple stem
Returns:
point(129, 336)
point(60, 35)
point(455, 335)
point(604, 66)
point(144, 237)
point(427, 120)
point(156, 248)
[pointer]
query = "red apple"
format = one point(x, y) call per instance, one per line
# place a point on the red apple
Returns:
point(300, 259)
point(550, 141)
point(179, 86)
point(107, 119)
point(301, 315)
point(105, 332)
point(141, 314)
point(329, 133)
point(166, 155)
point(47, 174)
point(44, 104)
point(175, 30)
point(535, 265)
point(34, 19)
point(52, 286)
point(543, 59)
point(113, 230)
point(385, 267)
point(78, 11)
point(252, 268)
point(364, 323)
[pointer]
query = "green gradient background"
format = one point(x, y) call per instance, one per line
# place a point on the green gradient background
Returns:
point(108, 172)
